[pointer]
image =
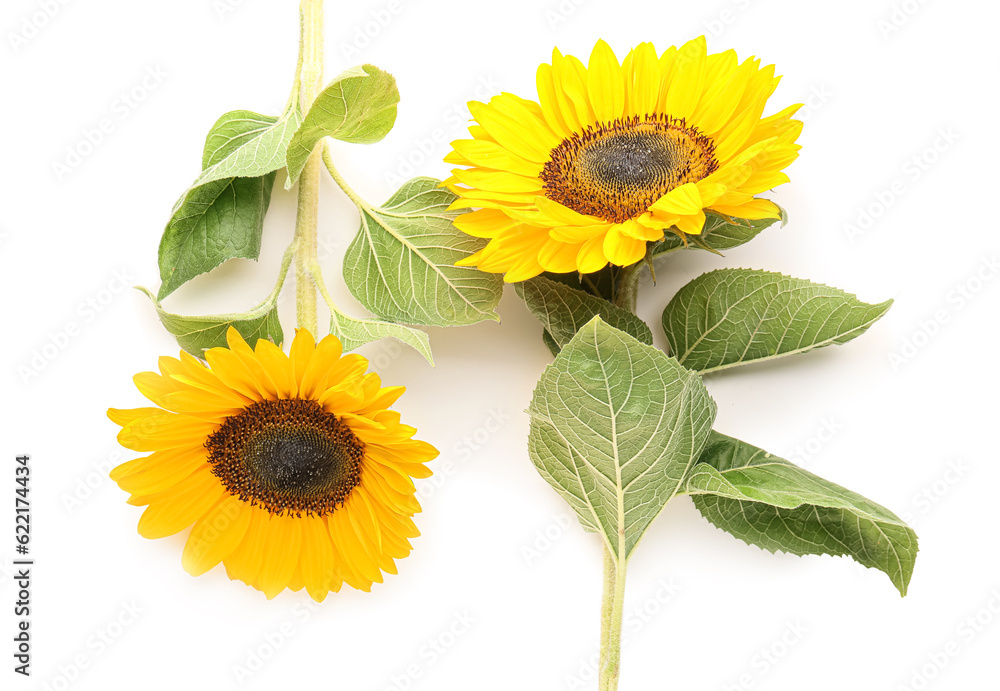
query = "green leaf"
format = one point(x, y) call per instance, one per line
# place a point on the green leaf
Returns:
point(247, 144)
point(563, 310)
point(719, 233)
point(354, 333)
point(767, 501)
point(214, 223)
point(218, 219)
point(550, 343)
point(196, 334)
point(358, 106)
point(731, 317)
point(615, 426)
point(401, 264)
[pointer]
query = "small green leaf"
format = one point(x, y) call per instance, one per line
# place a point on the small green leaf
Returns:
point(563, 310)
point(731, 317)
point(550, 343)
point(615, 427)
point(220, 218)
point(358, 106)
point(196, 334)
point(401, 264)
point(767, 501)
point(247, 145)
point(354, 333)
point(214, 223)
point(719, 233)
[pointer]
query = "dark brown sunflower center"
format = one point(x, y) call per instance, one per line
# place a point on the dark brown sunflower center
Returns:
point(616, 170)
point(289, 456)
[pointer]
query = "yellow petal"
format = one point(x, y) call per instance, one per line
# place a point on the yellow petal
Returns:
point(161, 470)
point(282, 542)
point(491, 155)
point(299, 355)
point(484, 223)
point(552, 107)
point(682, 200)
point(173, 510)
point(621, 249)
point(515, 136)
point(278, 368)
point(688, 80)
point(642, 80)
point(497, 181)
point(605, 84)
point(317, 559)
point(591, 257)
point(638, 231)
point(216, 535)
point(692, 225)
point(559, 257)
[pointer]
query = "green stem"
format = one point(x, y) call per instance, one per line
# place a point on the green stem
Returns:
point(310, 78)
point(341, 182)
point(286, 261)
point(627, 293)
point(626, 296)
point(317, 276)
point(612, 608)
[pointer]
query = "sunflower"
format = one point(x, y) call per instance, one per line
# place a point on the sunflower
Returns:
point(290, 467)
point(615, 155)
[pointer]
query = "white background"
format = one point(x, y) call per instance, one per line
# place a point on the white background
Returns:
point(882, 81)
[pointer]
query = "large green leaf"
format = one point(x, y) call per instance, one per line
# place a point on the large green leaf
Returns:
point(358, 106)
point(563, 310)
point(719, 233)
point(246, 144)
point(196, 334)
point(767, 501)
point(401, 264)
point(731, 317)
point(220, 218)
point(354, 333)
point(615, 427)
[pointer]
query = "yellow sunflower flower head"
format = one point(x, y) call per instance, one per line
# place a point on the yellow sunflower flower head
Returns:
point(615, 154)
point(291, 469)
